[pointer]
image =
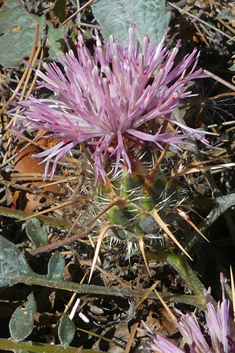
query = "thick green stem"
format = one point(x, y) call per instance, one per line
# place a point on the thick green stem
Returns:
point(180, 264)
point(27, 346)
point(80, 288)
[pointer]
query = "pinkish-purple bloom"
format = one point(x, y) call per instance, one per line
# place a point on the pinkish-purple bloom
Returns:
point(220, 326)
point(108, 99)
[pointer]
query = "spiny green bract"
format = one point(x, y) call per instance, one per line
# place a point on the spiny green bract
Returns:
point(133, 214)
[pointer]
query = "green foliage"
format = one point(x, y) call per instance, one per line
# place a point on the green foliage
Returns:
point(15, 268)
point(115, 16)
point(155, 191)
point(148, 225)
point(13, 263)
point(59, 9)
point(134, 216)
point(21, 323)
point(17, 30)
point(36, 233)
point(33, 347)
point(121, 217)
point(56, 267)
point(180, 264)
point(132, 186)
point(124, 217)
point(66, 330)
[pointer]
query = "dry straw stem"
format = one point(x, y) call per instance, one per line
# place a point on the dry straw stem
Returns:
point(98, 245)
point(25, 72)
point(201, 34)
point(138, 305)
point(141, 245)
point(115, 343)
point(75, 13)
point(187, 219)
point(118, 202)
point(53, 246)
point(26, 76)
point(61, 205)
point(50, 221)
point(162, 224)
point(131, 337)
point(107, 274)
point(200, 20)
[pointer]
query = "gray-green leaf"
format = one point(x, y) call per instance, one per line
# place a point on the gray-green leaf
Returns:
point(56, 266)
point(17, 31)
point(66, 330)
point(36, 233)
point(13, 263)
point(21, 323)
point(115, 16)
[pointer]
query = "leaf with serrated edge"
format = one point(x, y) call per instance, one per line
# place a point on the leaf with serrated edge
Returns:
point(115, 16)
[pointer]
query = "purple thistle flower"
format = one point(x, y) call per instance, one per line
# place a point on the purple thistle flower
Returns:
point(220, 326)
point(109, 99)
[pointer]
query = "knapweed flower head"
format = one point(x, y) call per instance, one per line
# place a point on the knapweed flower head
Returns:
point(109, 98)
point(221, 331)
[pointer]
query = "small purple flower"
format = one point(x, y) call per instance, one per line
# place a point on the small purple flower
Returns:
point(221, 329)
point(110, 98)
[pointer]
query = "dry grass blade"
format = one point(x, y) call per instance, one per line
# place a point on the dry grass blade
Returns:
point(102, 338)
point(75, 13)
point(199, 167)
point(187, 219)
point(218, 168)
point(141, 244)
point(171, 315)
point(146, 294)
point(131, 337)
point(104, 272)
point(200, 20)
point(58, 244)
point(152, 173)
point(135, 325)
point(23, 81)
point(163, 225)
point(25, 72)
point(98, 245)
point(64, 204)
